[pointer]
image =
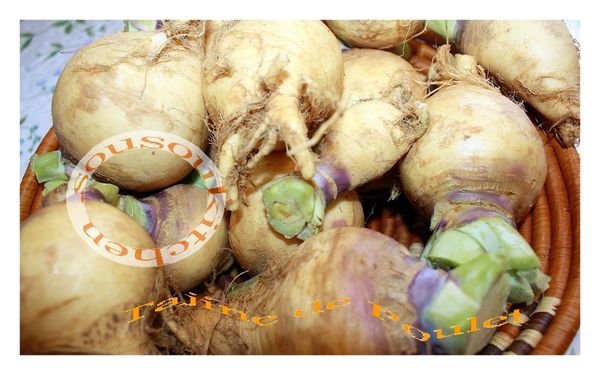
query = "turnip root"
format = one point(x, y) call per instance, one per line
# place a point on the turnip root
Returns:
point(72, 299)
point(476, 171)
point(386, 114)
point(381, 34)
point(538, 60)
point(263, 83)
point(256, 245)
point(134, 81)
point(168, 216)
point(348, 270)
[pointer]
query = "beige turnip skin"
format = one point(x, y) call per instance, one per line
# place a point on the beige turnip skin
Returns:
point(73, 299)
point(475, 173)
point(256, 245)
point(385, 96)
point(536, 59)
point(380, 34)
point(347, 269)
point(384, 113)
point(332, 265)
point(480, 150)
point(130, 81)
point(264, 84)
point(373, 75)
point(169, 216)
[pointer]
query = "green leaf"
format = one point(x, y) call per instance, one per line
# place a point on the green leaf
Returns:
point(27, 35)
point(56, 45)
point(26, 43)
point(81, 22)
point(23, 119)
point(89, 30)
point(59, 23)
point(69, 28)
point(51, 55)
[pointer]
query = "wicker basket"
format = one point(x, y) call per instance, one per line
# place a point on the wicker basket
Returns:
point(552, 228)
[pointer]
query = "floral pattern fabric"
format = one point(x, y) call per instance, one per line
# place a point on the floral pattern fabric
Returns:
point(46, 47)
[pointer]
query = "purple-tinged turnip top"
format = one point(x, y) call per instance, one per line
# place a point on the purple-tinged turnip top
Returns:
point(168, 216)
point(372, 292)
point(386, 113)
point(476, 172)
point(256, 244)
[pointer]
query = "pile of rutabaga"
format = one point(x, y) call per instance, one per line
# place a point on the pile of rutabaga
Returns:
point(295, 127)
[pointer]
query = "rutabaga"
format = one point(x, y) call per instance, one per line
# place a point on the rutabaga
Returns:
point(133, 81)
point(71, 297)
point(268, 83)
point(354, 268)
point(258, 246)
point(168, 216)
point(385, 113)
point(536, 59)
point(476, 172)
